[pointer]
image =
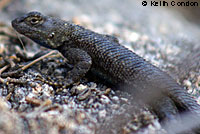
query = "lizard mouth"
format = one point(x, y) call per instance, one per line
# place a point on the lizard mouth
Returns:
point(21, 27)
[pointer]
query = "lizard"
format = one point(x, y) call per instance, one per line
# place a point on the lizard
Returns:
point(103, 55)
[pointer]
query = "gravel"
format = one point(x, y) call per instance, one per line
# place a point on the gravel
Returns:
point(90, 106)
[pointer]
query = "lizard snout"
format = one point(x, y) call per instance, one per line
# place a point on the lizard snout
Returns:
point(17, 21)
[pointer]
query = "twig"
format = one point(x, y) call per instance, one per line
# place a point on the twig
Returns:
point(38, 59)
point(10, 74)
point(20, 41)
point(3, 69)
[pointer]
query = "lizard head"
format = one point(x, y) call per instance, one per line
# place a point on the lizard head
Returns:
point(45, 30)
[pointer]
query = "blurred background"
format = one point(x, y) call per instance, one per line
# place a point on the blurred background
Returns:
point(172, 23)
point(168, 37)
point(147, 18)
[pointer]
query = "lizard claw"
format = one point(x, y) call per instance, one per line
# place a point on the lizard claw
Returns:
point(68, 83)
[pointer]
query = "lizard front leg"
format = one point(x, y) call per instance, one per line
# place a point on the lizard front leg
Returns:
point(81, 62)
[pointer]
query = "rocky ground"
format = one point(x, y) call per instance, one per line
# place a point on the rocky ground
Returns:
point(30, 104)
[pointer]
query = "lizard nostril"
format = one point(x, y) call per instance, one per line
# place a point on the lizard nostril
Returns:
point(16, 22)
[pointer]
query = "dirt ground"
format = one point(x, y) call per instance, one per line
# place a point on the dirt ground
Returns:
point(168, 37)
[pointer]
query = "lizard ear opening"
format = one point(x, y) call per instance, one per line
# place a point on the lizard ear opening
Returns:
point(51, 35)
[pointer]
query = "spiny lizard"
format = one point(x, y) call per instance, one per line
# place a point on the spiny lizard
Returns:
point(105, 57)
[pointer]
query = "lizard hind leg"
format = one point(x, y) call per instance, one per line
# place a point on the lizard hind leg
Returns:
point(167, 112)
point(165, 108)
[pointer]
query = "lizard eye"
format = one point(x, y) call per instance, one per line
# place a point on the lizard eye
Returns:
point(34, 20)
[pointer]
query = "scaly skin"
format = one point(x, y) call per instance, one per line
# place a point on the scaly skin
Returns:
point(106, 58)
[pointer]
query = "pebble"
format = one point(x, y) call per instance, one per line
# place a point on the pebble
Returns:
point(133, 37)
point(81, 87)
point(110, 28)
point(84, 94)
point(105, 100)
point(187, 83)
point(124, 99)
point(116, 98)
point(2, 48)
point(198, 100)
point(82, 20)
point(102, 113)
point(115, 106)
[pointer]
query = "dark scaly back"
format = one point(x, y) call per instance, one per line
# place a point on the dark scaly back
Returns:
point(107, 53)
point(126, 67)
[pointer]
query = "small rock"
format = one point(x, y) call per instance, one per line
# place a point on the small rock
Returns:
point(102, 113)
point(81, 87)
point(116, 98)
point(187, 83)
point(104, 99)
point(124, 99)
